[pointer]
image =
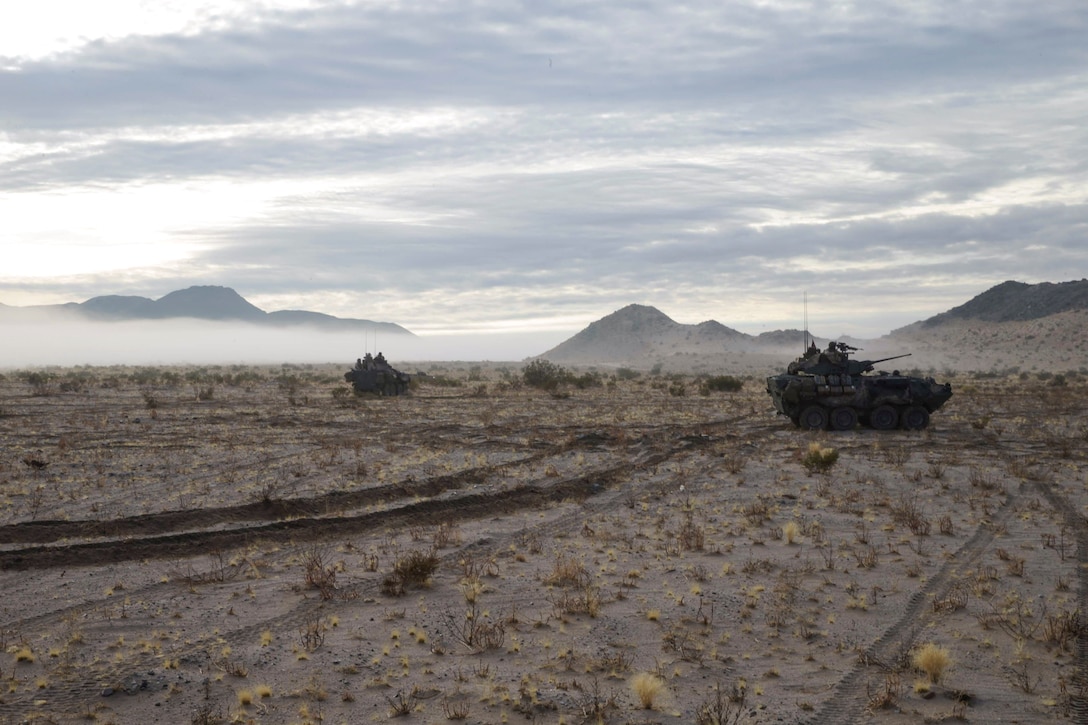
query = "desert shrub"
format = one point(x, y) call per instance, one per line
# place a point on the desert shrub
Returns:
point(311, 635)
point(438, 381)
point(208, 714)
point(412, 569)
point(320, 573)
point(285, 381)
point(145, 376)
point(242, 377)
point(723, 383)
point(75, 381)
point(586, 600)
point(544, 374)
point(691, 535)
point(932, 659)
point(819, 459)
point(40, 382)
point(626, 374)
point(588, 380)
point(724, 707)
point(475, 629)
point(416, 567)
point(567, 572)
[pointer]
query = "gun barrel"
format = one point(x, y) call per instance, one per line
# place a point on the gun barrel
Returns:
point(886, 359)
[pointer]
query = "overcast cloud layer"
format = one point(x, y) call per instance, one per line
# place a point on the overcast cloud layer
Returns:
point(504, 165)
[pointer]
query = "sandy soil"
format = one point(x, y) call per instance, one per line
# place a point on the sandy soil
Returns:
point(246, 545)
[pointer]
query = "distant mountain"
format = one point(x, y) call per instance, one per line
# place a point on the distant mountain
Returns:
point(116, 307)
point(207, 303)
point(1012, 326)
point(200, 303)
point(640, 333)
point(1018, 301)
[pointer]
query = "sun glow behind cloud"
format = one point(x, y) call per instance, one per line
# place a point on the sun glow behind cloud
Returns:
point(39, 29)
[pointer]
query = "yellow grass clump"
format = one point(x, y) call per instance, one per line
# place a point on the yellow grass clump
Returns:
point(932, 659)
point(819, 459)
point(647, 686)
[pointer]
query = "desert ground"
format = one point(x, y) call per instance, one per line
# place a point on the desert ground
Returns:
point(257, 544)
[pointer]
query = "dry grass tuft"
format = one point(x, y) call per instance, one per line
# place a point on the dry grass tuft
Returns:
point(647, 687)
point(819, 459)
point(933, 660)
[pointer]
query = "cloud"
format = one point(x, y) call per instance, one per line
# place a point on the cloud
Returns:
point(456, 165)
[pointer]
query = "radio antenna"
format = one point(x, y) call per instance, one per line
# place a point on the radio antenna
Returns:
point(805, 349)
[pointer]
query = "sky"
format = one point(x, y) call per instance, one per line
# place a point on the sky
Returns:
point(525, 168)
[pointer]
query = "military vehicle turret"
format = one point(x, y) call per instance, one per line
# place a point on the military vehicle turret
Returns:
point(825, 388)
point(373, 374)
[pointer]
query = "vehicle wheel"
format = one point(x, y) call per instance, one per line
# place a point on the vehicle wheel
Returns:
point(796, 420)
point(844, 418)
point(884, 417)
point(914, 418)
point(814, 417)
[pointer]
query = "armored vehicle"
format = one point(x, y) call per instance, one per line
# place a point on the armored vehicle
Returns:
point(372, 374)
point(825, 388)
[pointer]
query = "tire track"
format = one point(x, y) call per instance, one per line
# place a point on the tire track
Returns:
point(1078, 698)
point(848, 701)
point(172, 521)
point(70, 695)
point(645, 449)
point(193, 543)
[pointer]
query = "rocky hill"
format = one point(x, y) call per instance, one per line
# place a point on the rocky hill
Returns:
point(641, 336)
point(1017, 302)
point(199, 303)
point(640, 332)
point(1012, 326)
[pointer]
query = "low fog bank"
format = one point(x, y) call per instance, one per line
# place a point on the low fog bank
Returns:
point(32, 344)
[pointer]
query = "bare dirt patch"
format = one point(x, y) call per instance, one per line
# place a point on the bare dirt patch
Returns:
point(248, 545)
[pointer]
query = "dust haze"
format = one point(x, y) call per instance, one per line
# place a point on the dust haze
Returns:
point(40, 343)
